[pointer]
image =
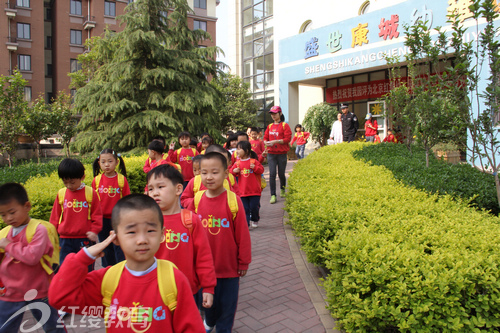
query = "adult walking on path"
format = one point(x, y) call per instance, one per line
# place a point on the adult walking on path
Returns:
point(280, 291)
point(276, 139)
point(336, 133)
point(350, 124)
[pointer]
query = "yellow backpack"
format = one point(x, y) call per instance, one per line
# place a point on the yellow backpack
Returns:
point(180, 149)
point(49, 263)
point(197, 183)
point(263, 182)
point(88, 196)
point(121, 183)
point(166, 284)
point(231, 201)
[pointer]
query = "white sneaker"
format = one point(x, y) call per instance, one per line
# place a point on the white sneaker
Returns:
point(254, 224)
point(208, 329)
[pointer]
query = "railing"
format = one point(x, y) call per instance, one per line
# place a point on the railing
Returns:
point(12, 40)
point(11, 5)
point(89, 18)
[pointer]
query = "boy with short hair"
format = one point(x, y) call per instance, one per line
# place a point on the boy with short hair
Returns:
point(76, 212)
point(147, 165)
point(183, 156)
point(20, 266)
point(257, 144)
point(223, 216)
point(186, 244)
point(138, 302)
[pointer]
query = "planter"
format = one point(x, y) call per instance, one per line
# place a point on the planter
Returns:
point(450, 156)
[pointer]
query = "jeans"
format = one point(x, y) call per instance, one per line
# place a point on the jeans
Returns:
point(299, 151)
point(276, 160)
point(252, 207)
point(73, 245)
point(113, 254)
point(370, 138)
point(11, 316)
point(221, 314)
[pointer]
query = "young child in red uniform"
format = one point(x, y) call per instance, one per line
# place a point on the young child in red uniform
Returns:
point(76, 227)
point(229, 240)
point(249, 170)
point(183, 156)
point(21, 271)
point(147, 164)
point(136, 303)
point(111, 187)
point(390, 137)
point(301, 138)
point(257, 144)
point(186, 243)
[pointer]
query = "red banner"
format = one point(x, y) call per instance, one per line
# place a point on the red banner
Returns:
point(358, 91)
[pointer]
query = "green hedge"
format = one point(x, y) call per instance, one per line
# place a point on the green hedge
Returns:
point(42, 190)
point(461, 180)
point(400, 260)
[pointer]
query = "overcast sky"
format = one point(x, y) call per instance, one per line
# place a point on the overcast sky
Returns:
point(221, 31)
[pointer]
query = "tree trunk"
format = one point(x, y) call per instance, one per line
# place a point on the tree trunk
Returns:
point(427, 149)
point(497, 185)
point(37, 143)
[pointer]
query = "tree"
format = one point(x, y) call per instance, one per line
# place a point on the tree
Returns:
point(63, 119)
point(37, 123)
point(318, 121)
point(12, 109)
point(236, 110)
point(152, 82)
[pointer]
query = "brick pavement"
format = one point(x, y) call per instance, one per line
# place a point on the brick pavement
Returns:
point(280, 292)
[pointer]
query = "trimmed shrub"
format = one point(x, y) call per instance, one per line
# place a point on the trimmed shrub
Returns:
point(459, 181)
point(400, 259)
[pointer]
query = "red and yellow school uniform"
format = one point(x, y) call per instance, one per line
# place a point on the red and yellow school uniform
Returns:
point(248, 178)
point(301, 138)
point(258, 146)
point(279, 131)
point(110, 192)
point(390, 138)
point(184, 157)
point(188, 194)
point(147, 165)
point(189, 250)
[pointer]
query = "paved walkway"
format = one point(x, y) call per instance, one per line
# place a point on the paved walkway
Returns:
point(280, 292)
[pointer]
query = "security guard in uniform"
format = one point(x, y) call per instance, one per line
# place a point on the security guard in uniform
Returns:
point(350, 124)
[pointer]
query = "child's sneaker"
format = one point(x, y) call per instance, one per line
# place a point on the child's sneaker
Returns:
point(208, 329)
point(273, 199)
point(282, 193)
point(253, 224)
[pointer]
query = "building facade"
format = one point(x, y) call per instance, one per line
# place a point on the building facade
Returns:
point(43, 38)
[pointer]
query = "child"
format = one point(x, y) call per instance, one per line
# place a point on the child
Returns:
point(155, 153)
point(257, 144)
point(199, 146)
point(147, 164)
point(183, 156)
point(223, 216)
point(186, 243)
point(21, 270)
point(138, 302)
point(76, 212)
point(205, 143)
point(111, 186)
point(249, 170)
point(301, 138)
point(193, 144)
point(231, 142)
point(390, 137)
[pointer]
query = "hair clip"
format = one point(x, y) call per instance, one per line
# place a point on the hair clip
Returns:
point(119, 155)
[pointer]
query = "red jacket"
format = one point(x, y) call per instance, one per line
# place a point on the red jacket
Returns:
point(390, 138)
point(75, 221)
point(279, 131)
point(248, 179)
point(109, 192)
point(369, 131)
point(74, 289)
point(190, 251)
point(229, 239)
point(20, 268)
point(184, 157)
point(301, 138)
point(188, 194)
point(258, 146)
point(147, 165)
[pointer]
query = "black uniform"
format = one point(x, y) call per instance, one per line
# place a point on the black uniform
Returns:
point(350, 126)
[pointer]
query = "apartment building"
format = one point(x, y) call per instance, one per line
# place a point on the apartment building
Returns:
point(43, 38)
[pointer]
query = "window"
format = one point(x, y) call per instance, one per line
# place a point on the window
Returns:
point(200, 4)
point(49, 43)
point(49, 70)
point(27, 94)
point(23, 3)
point(202, 25)
point(75, 7)
point(48, 14)
point(163, 16)
point(50, 97)
point(23, 31)
point(74, 66)
point(76, 37)
point(24, 62)
point(72, 93)
point(109, 8)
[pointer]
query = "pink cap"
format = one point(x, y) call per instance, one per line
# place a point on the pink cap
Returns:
point(275, 109)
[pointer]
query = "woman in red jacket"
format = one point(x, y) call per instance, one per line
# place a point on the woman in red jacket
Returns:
point(276, 139)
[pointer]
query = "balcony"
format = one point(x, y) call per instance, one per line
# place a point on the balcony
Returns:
point(12, 43)
point(11, 9)
point(89, 22)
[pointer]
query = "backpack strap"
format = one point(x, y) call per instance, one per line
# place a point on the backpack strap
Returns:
point(197, 199)
point(232, 179)
point(226, 184)
point(194, 151)
point(109, 284)
point(46, 260)
point(121, 183)
point(196, 184)
point(187, 220)
point(97, 181)
point(166, 283)
point(60, 195)
point(232, 202)
point(3, 234)
point(89, 191)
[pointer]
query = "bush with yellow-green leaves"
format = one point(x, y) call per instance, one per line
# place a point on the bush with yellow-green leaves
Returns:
point(42, 190)
point(399, 259)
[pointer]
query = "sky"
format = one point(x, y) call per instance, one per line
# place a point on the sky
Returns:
point(221, 27)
